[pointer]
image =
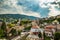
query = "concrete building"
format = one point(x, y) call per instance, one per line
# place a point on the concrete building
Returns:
point(34, 32)
point(49, 30)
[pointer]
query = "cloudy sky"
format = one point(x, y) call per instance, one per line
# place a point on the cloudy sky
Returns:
point(36, 8)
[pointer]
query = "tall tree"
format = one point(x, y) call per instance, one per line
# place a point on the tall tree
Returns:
point(3, 26)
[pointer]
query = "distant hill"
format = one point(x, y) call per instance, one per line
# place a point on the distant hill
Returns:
point(17, 16)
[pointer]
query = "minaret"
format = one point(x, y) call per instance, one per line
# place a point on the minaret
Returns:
point(34, 32)
point(35, 28)
point(18, 23)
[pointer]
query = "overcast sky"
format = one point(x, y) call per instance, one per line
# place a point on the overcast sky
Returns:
point(37, 8)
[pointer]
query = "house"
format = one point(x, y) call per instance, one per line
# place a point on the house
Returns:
point(34, 32)
point(35, 28)
point(58, 27)
point(49, 30)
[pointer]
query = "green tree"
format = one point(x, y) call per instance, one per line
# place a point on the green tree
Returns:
point(28, 28)
point(13, 31)
point(3, 26)
point(58, 20)
point(57, 36)
point(3, 30)
point(11, 25)
point(40, 35)
point(45, 37)
point(19, 32)
point(1, 33)
point(15, 22)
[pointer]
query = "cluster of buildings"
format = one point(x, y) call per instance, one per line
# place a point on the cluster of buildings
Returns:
point(49, 29)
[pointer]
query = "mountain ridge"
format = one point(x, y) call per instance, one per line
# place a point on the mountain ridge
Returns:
point(17, 16)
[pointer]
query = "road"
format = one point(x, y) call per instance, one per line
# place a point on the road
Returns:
point(24, 37)
point(20, 38)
